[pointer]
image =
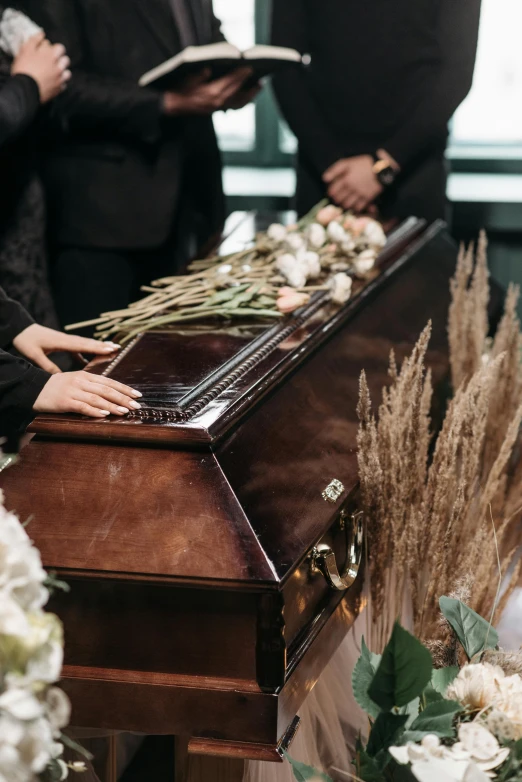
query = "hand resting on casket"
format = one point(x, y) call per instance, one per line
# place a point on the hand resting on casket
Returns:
point(74, 392)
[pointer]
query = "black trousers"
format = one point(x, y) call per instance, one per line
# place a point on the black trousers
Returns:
point(421, 192)
point(87, 282)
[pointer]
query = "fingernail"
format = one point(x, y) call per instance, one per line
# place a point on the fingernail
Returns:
point(105, 412)
point(135, 405)
point(122, 410)
point(135, 393)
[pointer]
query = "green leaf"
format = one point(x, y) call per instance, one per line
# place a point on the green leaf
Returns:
point(220, 297)
point(474, 633)
point(367, 768)
point(436, 718)
point(303, 772)
point(441, 678)
point(403, 673)
point(411, 710)
point(362, 676)
point(385, 731)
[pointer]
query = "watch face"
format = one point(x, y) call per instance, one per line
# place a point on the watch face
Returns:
point(387, 176)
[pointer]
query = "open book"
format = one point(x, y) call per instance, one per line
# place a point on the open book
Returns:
point(220, 59)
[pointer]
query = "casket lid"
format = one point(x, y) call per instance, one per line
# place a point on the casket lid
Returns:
point(200, 380)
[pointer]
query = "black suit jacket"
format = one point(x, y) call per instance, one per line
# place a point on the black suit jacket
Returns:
point(384, 74)
point(118, 177)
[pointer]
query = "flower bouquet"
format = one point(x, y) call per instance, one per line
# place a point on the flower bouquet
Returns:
point(272, 277)
point(462, 722)
point(32, 710)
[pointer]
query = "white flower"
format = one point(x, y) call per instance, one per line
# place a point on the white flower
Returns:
point(476, 686)
point(374, 234)
point(31, 654)
point(13, 621)
point(476, 747)
point(20, 704)
point(365, 261)
point(59, 708)
point(316, 235)
point(21, 572)
point(348, 245)
point(293, 270)
point(295, 242)
point(276, 232)
point(336, 232)
point(341, 287)
point(313, 264)
point(35, 747)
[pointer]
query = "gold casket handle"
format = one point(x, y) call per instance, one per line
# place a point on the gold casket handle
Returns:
point(323, 557)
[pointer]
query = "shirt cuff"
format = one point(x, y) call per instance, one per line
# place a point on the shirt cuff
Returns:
point(30, 89)
point(15, 320)
point(31, 387)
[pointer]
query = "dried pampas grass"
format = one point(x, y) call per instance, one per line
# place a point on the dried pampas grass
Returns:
point(439, 526)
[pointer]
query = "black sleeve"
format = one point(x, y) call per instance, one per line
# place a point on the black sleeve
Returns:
point(459, 25)
point(20, 382)
point(90, 100)
point(20, 387)
point(13, 319)
point(298, 105)
point(19, 104)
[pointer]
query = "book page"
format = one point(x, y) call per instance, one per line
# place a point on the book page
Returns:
point(261, 52)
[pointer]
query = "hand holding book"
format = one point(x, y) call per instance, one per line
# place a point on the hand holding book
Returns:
point(197, 95)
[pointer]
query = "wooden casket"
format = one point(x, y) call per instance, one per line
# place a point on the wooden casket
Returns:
point(208, 540)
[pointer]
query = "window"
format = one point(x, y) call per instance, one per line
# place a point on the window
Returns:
point(237, 129)
point(255, 135)
point(492, 112)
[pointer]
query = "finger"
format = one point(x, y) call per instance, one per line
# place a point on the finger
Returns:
point(360, 205)
point(98, 402)
point(339, 190)
point(123, 389)
point(66, 76)
point(116, 397)
point(35, 40)
point(39, 358)
point(64, 62)
point(231, 80)
point(58, 51)
point(350, 201)
point(82, 408)
point(338, 169)
point(75, 344)
point(198, 78)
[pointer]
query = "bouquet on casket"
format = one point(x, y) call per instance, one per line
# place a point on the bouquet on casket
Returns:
point(273, 276)
point(460, 723)
point(32, 710)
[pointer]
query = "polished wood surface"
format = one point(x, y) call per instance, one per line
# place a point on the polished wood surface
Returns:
point(186, 534)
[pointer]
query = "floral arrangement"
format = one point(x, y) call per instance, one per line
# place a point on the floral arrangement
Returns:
point(456, 723)
point(33, 711)
point(324, 251)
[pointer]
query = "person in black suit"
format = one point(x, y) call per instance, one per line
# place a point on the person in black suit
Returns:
point(135, 184)
point(32, 74)
point(372, 110)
